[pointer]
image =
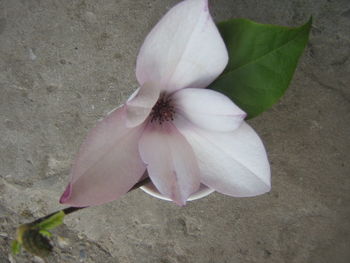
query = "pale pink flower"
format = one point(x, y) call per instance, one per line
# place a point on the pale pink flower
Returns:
point(183, 134)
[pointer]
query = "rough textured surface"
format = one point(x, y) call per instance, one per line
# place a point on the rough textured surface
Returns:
point(65, 64)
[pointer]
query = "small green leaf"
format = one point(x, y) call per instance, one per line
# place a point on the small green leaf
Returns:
point(262, 61)
point(52, 222)
point(45, 233)
point(35, 243)
point(15, 247)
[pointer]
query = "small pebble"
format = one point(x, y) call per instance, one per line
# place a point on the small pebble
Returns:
point(3, 234)
point(32, 56)
point(38, 260)
point(11, 259)
point(62, 242)
point(91, 17)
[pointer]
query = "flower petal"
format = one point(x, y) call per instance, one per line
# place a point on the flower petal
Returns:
point(172, 166)
point(108, 163)
point(184, 49)
point(208, 109)
point(140, 104)
point(233, 163)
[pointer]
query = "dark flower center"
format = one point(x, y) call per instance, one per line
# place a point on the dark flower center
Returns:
point(163, 111)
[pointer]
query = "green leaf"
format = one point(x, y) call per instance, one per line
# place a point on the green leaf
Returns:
point(262, 61)
point(15, 247)
point(45, 233)
point(52, 222)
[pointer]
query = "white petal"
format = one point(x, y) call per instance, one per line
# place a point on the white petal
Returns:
point(184, 49)
point(108, 163)
point(140, 104)
point(233, 163)
point(208, 109)
point(172, 166)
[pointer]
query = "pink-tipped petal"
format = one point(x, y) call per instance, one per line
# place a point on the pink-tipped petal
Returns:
point(66, 194)
point(108, 163)
point(233, 163)
point(170, 161)
point(208, 109)
point(140, 104)
point(184, 49)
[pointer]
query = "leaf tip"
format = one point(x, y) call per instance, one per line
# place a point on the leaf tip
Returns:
point(15, 247)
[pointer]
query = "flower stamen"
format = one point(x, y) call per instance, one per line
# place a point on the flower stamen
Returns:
point(162, 111)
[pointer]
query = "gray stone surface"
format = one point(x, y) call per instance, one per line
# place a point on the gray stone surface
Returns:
point(65, 64)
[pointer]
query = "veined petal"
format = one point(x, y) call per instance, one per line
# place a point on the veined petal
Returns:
point(140, 104)
point(170, 161)
point(108, 163)
point(184, 49)
point(208, 109)
point(233, 163)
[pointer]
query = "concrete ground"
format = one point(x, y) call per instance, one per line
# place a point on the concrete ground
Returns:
point(65, 64)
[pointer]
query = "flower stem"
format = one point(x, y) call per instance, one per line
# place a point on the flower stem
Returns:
point(33, 236)
point(71, 209)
